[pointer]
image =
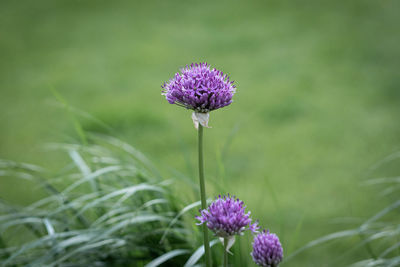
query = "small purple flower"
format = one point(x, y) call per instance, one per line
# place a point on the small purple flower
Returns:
point(267, 250)
point(199, 88)
point(226, 217)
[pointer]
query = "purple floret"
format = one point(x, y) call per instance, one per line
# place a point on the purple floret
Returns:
point(226, 217)
point(267, 250)
point(199, 88)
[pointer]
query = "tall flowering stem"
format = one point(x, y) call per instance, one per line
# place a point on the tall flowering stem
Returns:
point(203, 196)
point(200, 88)
point(225, 252)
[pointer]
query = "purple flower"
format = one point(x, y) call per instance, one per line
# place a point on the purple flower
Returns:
point(226, 217)
point(267, 250)
point(199, 88)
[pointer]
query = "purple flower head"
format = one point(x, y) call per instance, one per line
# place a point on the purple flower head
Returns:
point(267, 250)
point(226, 217)
point(199, 88)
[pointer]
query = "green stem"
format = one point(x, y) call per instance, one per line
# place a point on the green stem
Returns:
point(203, 197)
point(225, 252)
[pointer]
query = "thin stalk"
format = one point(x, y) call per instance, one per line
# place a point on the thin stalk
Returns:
point(203, 197)
point(225, 252)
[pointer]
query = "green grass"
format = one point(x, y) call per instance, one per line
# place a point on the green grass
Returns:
point(317, 102)
point(107, 207)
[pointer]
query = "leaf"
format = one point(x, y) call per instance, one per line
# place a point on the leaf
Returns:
point(198, 254)
point(21, 175)
point(79, 162)
point(92, 176)
point(109, 214)
point(29, 220)
point(389, 190)
point(49, 226)
point(324, 239)
point(128, 192)
point(165, 257)
point(85, 248)
point(83, 167)
point(8, 164)
point(134, 220)
point(78, 127)
point(231, 241)
point(383, 180)
point(83, 114)
point(42, 202)
point(183, 211)
point(295, 236)
point(389, 158)
point(378, 262)
point(37, 243)
point(76, 203)
point(75, 240)
point(136, 154)
point(380, 214)
point(390, 249)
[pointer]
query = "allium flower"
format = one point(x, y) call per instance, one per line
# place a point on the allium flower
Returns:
point(226, 217)
point(201, 89)
point(267, 250)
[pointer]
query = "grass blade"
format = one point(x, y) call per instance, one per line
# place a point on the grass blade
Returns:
point(324, 239)
point(165, 257)
point(198, 254)
point(182, 212)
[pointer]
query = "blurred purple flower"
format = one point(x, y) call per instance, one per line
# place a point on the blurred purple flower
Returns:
point(226, 217)
point(267, 250)
point(199, 88)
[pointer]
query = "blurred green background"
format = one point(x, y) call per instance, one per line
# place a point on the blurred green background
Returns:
point(317, 104)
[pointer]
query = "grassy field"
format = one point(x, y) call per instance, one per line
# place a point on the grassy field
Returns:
point(317, 105)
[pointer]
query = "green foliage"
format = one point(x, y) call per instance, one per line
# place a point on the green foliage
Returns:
point(108, 206)
point(379, 235)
